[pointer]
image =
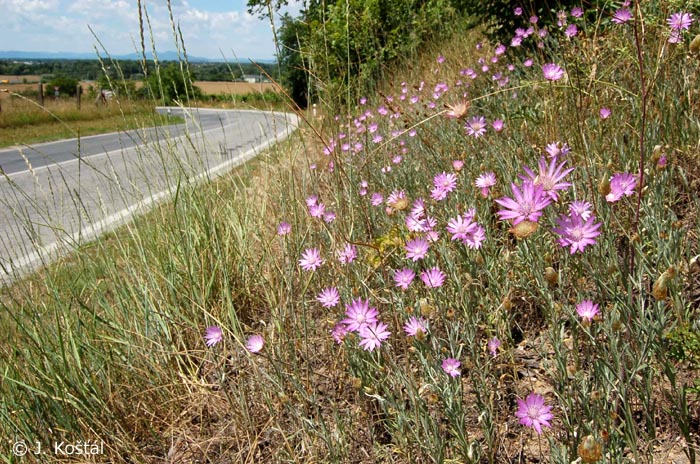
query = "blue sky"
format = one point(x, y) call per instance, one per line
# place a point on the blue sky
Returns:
point(211, 28)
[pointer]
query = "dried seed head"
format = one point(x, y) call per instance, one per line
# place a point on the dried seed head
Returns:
point(551, 276)
point(590, 450)
point(458, 110)
point(523, 229)
point(695, 45)
point(400, 204)
point(426, 309)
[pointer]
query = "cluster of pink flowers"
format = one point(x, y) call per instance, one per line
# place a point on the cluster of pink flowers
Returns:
point(213, 335)
point(466, 230)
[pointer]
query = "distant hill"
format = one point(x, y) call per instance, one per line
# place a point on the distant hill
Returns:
point(162, 56)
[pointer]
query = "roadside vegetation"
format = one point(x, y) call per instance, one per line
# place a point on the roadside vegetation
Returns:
point(25, 122)
point(487, 253)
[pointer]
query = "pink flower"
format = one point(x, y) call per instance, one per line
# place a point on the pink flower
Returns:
point(587, 310)
point(284, 228)
point(582, 208)
point(377, 199)
point(576, 12)
point(415, 325)
point(433, 278)
point(451, 366)
point(311, 259)
point(533, 413)
point(680, 21)
point(329, 216)
point(457, 165)
point(577, 232)
point(328, 297)
point(460, 227)
point(416, 249)
point(552, 72)
point(373, 334)
point(347, 254)
point(254, 343)
point(621, 184)
point(404, 277)
point(527, 204)
point(556, 149)
point(605, 112)
point(497, 125)
point(493, 345)
point(359, 314)
point(339, 332)
point(549, 177)
point(621, 16)
point(444, 183)
point(317, 210)
point(476, 126)
point(571, 31)
point(485, 181)
point(213, 335)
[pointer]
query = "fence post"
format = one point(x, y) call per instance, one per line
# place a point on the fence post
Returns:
point(41, 94)
point(78, 91)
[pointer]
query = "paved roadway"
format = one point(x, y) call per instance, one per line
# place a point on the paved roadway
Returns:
point(56, 196)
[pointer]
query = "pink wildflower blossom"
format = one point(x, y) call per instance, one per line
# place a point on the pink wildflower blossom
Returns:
point(404, 277)
point(416, 249)
point(552, 72)
point(532, 412)
point(433, 278)
point(587, 310)
point(576, 232)
point(484, 182)
point(284, 228)
point(373, 334)
point(213, 335)
point(621, 184)
point(311, 259)
point(255, 343)
point(451, 367)
point(476, 126)
point(358, 314)
point(415, 325)
point(527, 204)
point(328, 297)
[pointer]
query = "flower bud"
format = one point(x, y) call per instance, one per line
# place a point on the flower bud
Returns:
point(523, 229)
point(506, 303)
point(604, 185)
point(660, 288)
point(551, 276)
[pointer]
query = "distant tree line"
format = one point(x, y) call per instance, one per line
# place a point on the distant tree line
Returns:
point(92, 70)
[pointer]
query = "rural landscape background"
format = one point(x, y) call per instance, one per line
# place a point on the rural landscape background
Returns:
point(481, 244)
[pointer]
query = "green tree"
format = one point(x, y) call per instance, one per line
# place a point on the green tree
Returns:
point(66, 85)
point(171, 83)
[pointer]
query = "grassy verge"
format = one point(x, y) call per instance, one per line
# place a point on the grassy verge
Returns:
point(480, 316)
point(24, 122)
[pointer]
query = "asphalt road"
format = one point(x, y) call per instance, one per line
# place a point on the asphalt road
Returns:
point(56, 196)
